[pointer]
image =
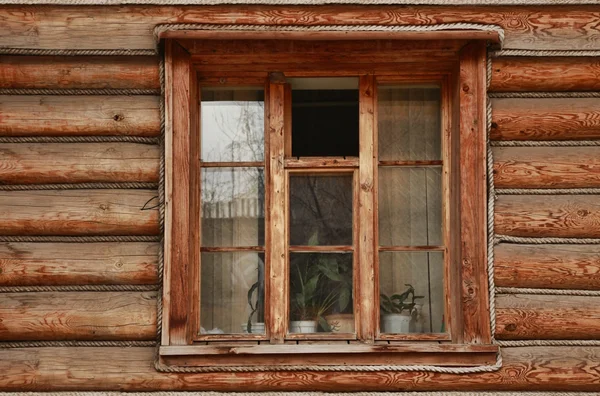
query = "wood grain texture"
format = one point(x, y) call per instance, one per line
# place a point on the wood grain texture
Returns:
point(81, 72)
point(131, 26)
point(132, 369)
point(79, 115)
point(576, 216)
point(546, 167)
point(110, 263)
point(78, 316)
point(78, 212)
point(547, 266)
point(531, 74)
point(78, 163)
point(540, 317)
point(545, 119)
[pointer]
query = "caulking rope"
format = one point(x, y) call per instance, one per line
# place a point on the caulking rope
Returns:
point(76, 288)
point(544, 143)
point(306, 2)
point(542, 191)
point(79, 139)
point(78, 186)
point(543, 95)
point(66, 91)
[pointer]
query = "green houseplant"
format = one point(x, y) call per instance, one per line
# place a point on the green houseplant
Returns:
point(396, 310)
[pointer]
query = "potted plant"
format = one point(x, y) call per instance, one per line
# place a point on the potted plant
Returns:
point(339, 273)
point(257, 307)
point(396, 311)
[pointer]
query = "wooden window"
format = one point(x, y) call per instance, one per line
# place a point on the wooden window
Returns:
point(325, 203)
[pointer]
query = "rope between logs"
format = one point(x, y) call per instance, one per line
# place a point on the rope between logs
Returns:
point(79, 186)
point(66, 91)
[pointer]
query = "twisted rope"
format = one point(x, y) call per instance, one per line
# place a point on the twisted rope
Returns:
point(306, 2)
point(74, 52)
point(81, 239)
point(78, 288)
point(560, 53)
point(542, 191)
point(544, 143)
point(546, 240)
point(286, 393)
point(161, 199)
point(558, 292)
point(543, 95)
point(79, 139)
point(529, 343)
point(105, 91)
point(56, 344)
point(78, 186)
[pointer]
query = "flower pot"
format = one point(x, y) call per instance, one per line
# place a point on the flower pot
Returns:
point(396, 323)
point(341, 323)
point(303, 326)
point(256, 328)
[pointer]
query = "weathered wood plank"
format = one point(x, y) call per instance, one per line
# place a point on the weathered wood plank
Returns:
point(111, 263)
point(79, 115)
point(132, 369)
point(83, 72)
point(546, 167)
point(78, 163)
point(547, 266)
point(78, 212)
point(574, 216)
point(78, 316)
point(523, 74)
point(526, 317)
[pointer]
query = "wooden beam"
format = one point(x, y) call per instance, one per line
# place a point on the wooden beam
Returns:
point(110, 263)
point(78, 212)
point(33, 115)
point(549, 74)
point(541, 317)
point(547, 266)
point(79, 72)
point(574, 216)
point(545, 119)
point(546, 167)
point(78, 316)
point(39, 163)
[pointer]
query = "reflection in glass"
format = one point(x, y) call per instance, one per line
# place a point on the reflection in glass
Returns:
point(321, 210)
point(232, 124)
point(232, 293)
point(410, 206)
point(416, 310)
point(233, 212)
point(409, 123)
point(321, 293)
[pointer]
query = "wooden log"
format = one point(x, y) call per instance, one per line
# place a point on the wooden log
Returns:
point(543, 317)
point(78, 316)
point(575, 216)
point(546, 167)
point(82, 72)
point(545, 119)
point(78, 163)
point(79, 115)
point(110, 263)
point(525, 74)
point(547, 266)
point(78, 212)
point(132, 369)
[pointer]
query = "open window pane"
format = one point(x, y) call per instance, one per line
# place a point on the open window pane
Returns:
point(410, 206)
point(321, 209)
point(233, 207)
point(232, 293)
point(412, 292)
point(232, 124)
point(409, 123)
point(321, 297)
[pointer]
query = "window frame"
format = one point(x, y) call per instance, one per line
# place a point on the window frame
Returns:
point(463, 82)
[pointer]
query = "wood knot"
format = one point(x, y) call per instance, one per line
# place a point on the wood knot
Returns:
point(118, 117)
point(465, 88)
point(583, 212)
point(494, 125)
point(511, 327)
point(103, 206)
point(119, 264)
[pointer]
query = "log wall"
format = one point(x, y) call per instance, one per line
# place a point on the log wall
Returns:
point(131, 315)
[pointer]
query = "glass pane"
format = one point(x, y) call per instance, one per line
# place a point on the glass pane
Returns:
point(412, 292)
point(409, 122)
point(324, 110)
point(321, 210)
point(233, 207)
point(232, 293)
point(232, 124)
point(321, 293)
point(410, 206)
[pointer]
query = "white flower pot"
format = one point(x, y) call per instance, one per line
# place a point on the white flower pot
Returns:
point(303, 326)
point(257, 328)
point(341, 323)
point(395, 323)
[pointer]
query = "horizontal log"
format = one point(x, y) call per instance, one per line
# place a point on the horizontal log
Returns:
point(546, 167)
point(79, 115)
point(524, 74)
point(132, 369)
point(110, 263)
point(545, 119)
point(78, 316)
point(543, 317)
point(547, 266)
point(575, 216)
point(78, 212)
point(78, 163)
point(82, 72)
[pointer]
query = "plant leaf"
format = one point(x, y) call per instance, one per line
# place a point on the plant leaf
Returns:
point(314, 239)
point(344, 298)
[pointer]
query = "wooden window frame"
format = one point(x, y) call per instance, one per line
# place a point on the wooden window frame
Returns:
point(462, 76)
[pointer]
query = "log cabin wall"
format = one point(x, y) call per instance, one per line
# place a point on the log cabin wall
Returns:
point(551, 341)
